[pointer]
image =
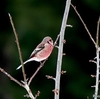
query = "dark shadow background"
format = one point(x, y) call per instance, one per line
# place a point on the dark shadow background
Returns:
point(35, 19)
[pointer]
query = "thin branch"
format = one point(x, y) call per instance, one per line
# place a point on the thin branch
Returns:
point(97, 35)
point(93, 61)
point(50, 77)
point(60, 51)
point(63, 71)
point(69, 26)
point(84, 25)
point(56, 40)
point(38, 94)
point(24, 85)
point(13, 79)
point(18, 46)
point(93, 76)
point(41, 65)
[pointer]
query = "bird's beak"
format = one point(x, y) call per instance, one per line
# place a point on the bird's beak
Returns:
point(50, 43)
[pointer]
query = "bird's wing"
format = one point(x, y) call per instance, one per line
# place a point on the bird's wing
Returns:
point(37, 49)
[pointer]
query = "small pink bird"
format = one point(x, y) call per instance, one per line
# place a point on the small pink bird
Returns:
point(42, 51)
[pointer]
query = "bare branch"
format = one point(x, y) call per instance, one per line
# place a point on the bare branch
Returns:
point(63, 72)
point(25, 85)
point(50, 77)
point(93, 86)
point(93, 76)
point(28, 90)
point(97, 51)
point(18, 46)
point(97, 35)
point(56, 40)
point(84, 25)
point(38, 93)
point(56, 91)
point(13, 79)
point(69, 25)
point(97, 62)
point(92, 61)
point(41, 65)
point(60, 50)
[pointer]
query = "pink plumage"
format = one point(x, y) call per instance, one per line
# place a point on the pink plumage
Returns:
point(42, 51)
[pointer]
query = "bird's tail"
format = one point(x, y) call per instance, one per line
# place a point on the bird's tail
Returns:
point(23, 63)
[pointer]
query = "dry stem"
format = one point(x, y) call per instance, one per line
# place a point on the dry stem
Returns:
point(97, 35)
point(97, 62)
point(84, 25)
point(25, 85)
point(18, 46)
point(41, 65)
point(13, 79)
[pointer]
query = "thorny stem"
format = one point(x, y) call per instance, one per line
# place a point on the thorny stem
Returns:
point(97, 50)
point(18, 46)
point(60, 50)
point(97, 75)
point(97, 63)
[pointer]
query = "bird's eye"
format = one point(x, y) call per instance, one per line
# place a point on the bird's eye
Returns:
point(50, 40)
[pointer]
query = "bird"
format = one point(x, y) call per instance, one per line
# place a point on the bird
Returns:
point(41, 52)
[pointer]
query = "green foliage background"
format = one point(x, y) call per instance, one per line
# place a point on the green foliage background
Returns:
point(35, 19)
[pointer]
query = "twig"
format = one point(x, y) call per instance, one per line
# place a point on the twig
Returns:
point(69, 26)
point(93, 76)
point(97, 35)
point(56, 40)
point(84, 25)
point(41, 65)
point(63, 72)
point(18, 46)
point(60, 51)
point(13, 79)
point(93, 61)
point(25, 85)
point(50, 77)
point(38, 93)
